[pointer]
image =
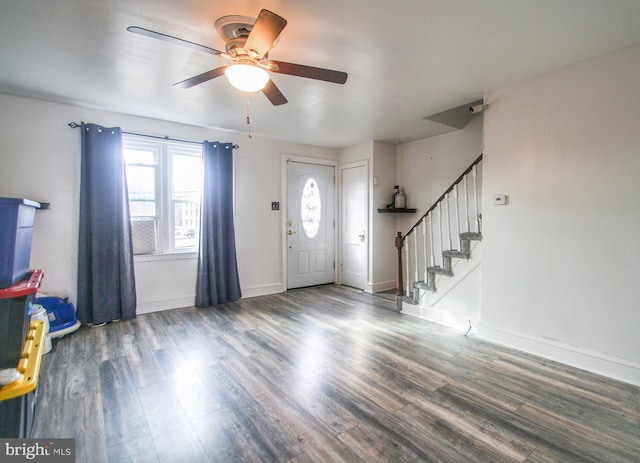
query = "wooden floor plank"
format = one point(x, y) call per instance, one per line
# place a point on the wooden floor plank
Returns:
point(374, 446)
point(584, 439)
point(93, 434)
point(137, 450)
point(318, 442)
point(316, 375)
point(123, 414)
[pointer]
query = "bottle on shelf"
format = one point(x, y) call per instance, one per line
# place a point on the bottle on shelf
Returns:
point(400, 200)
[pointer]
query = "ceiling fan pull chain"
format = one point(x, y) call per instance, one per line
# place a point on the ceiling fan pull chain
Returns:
point(249, 115)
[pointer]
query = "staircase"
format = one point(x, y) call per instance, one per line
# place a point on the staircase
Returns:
point(445, 232)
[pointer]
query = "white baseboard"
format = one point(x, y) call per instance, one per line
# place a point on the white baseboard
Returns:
point(595, 362)
point(167, 304)
point(450, 319)
point(263, 290)
point(189, 301)
point(380, 286)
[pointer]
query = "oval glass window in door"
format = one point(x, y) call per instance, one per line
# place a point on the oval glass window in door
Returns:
point(311, 208)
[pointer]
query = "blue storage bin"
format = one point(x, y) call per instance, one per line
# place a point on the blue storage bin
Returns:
point(17, 217)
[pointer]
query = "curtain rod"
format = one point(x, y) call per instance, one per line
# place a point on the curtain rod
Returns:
point(75, 125)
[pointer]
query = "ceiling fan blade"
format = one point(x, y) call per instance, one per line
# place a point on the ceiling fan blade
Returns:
point(274, 94)
point(310, 72)
point(171, 39)
point(200, 78)
point(264, 32)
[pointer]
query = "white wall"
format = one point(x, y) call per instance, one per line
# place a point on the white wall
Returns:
point(259, 232)
point(40, 160)
point(383, 225)
point(560, 265)
point(426, 168)
point(355, 153)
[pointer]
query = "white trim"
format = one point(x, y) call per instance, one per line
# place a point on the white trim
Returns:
point(308, 160)
point(189, 301)
point(446, 318)
point(263, 290)
point(165, 304)
point(594, 362)
point(166, 256)
point(380, 286)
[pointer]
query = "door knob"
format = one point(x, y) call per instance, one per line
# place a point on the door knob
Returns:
point(361, 236)
point(290, 232)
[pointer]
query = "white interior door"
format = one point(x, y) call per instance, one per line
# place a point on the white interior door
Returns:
point(310, 224)
point(354, 225)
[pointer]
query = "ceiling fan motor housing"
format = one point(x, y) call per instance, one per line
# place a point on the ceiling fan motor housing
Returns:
point(234, 31)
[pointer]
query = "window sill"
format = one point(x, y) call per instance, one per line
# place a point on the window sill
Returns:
point(167, 256)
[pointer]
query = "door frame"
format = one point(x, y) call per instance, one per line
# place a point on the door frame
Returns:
point(285, 160)
point(350, 165)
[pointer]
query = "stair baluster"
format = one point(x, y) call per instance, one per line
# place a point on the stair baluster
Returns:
point(449, 221)
point(400, 288)
point(424, 246)
point(415, 256)
point(455, 199)
point(440, 225)
point(475, 196)
point(433, 250)
point(466, 204)
point(408, 293)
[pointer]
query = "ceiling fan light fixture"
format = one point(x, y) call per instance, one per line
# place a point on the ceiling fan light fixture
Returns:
point(247, 77)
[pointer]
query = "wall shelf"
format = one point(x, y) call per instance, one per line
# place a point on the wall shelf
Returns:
point(394, 210)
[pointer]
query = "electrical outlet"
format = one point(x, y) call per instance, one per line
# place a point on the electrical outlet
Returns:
point(275, 206)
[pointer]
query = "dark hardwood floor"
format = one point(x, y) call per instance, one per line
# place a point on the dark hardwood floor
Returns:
point(319, 375)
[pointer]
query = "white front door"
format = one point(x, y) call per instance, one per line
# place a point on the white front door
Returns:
point(310, 224)
point(354, 220)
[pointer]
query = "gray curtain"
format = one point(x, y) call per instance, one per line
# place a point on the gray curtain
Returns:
point(218, 280)
point(106, 286)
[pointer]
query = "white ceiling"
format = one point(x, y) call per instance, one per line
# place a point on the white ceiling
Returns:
point(406, 59)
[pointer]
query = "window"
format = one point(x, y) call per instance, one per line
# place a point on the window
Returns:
point(164, 180)
point(311, 208)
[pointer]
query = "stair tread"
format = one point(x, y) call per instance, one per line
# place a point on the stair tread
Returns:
point(440, 271)
point(476, 236)
point(421, 285)
point(456, 253)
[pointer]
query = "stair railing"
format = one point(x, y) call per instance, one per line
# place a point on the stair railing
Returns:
point(441, 234)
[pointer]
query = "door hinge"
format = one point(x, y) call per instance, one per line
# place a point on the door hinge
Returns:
point(334, 264)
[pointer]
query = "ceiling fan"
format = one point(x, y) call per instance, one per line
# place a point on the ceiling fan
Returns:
point(247, 44)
